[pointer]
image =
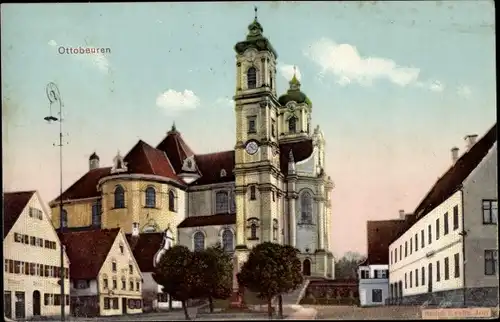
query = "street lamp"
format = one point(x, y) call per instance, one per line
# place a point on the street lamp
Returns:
point(54, 97)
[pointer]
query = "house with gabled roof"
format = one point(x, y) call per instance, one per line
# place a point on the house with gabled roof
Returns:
point(106, 279)
point(272, 186)
point(32, 264)
point(448, 256)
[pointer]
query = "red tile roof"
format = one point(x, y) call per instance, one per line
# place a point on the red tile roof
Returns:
point(213, 220)
point(210, 166)
point(146, 247)
point(144, 159)
point(380, 234)
point(452, 180)
point(87, 251)
point(86, 186)
point(13, 205)
point(301, 150)
point(176, 149)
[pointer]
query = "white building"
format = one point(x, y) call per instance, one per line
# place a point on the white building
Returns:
point(456, 220)
point(373, 284)
point(31, 250)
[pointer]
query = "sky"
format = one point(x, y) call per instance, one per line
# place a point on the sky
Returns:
point(394, 86)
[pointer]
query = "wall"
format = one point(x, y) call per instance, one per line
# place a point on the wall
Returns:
point(366, 286)
point(481, 184)
point(446, 246)
point(213, 235)
point(79, 213)
point(34, 254)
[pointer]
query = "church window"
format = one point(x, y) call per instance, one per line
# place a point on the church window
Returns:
point(292, 124)
point(199, 241)
point(96, 213)
point(171, 200)
point(119, 197)
point(252, 78)
point(150, 197)
point(221, 202)
point(275, 229)
point(227, 240)
point(306, 208)
point(251, 124)
point(233, 203)
point(253, 193)
point(270, 80)
point(253, 231)
point(253, 225)
point(64, 218)
point(273, 128)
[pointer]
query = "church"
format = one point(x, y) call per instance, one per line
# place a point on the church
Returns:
point(273, 186)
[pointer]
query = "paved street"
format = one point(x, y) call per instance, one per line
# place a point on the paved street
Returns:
point(371, 313)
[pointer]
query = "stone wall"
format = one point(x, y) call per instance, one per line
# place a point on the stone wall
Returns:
point(331, 292)
point(475, 297)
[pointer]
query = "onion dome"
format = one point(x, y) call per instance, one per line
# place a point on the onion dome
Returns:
point(294, 94)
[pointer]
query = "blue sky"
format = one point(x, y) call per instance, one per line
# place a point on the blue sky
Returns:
point(394, 86)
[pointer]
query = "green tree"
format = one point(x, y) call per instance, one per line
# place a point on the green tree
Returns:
point(215, 269)
point(347, 266)
point(176, 275)
point(271, 270)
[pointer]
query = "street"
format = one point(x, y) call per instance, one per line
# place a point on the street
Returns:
point(368, 313)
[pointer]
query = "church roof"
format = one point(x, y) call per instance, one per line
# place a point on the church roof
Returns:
point(166, 161)
point(213, 220)
point(13, 205)
point(146, 247)
point(85, 245)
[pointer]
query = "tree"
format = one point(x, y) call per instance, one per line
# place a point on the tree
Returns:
point(271, 269)
point(215, 268)
point(347, 266)
point(176, 275)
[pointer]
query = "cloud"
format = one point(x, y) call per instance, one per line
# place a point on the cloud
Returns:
point(287, 71)
point(345, 62)
point(464, 91)
point(97, 59)
point(432, 85)
point(173, 101)
point(225, 101)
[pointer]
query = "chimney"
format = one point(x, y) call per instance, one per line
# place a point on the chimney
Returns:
point(93, 161)
point(401, 214)
point(454, 154)
point(471, 140)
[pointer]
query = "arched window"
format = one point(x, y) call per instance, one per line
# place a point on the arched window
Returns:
point(270, 80)
point(199, 241)
point(252, 78)
point(96, 213)
point(227, 240)
point(119, 197)
point(292, 124)
point(306, 208)
point(171, 200)
point(253, 231)
point(253, 193)
point(150, 197)
point(64, 222)
point(221, 202)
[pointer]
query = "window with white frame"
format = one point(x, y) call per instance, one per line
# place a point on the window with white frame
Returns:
point(490, 212)
point(490, 262)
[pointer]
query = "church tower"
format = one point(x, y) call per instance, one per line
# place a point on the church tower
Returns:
point(256, 170)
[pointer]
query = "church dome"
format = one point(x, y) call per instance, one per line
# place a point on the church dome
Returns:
point(294, 94)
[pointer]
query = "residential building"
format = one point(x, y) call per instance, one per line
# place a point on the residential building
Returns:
point(32, 263)
point(147, 249)
point(105, 278)
point(272, 187)
point(449, 256)
point(373, 273)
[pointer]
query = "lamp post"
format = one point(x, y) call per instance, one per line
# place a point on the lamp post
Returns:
point(54, 97)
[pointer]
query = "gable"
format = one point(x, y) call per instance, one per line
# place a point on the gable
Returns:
point(123, 260)
point(14, 205)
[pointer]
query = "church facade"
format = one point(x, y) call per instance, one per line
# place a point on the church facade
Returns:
point(272, 187)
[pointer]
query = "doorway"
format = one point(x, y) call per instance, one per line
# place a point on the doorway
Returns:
point(20, 305)
point(306, 267)
point(7, 304)
point(124, 305)
point(429, 282)
point(36, 302)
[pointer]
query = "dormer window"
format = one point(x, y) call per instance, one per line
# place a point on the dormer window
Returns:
point(223, 173)
point(119, 165)
point(252, 78)
point(189, 164)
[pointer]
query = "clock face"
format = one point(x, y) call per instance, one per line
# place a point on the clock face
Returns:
point(252, 147)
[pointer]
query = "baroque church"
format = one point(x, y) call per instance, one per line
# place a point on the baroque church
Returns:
point(272, 187)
